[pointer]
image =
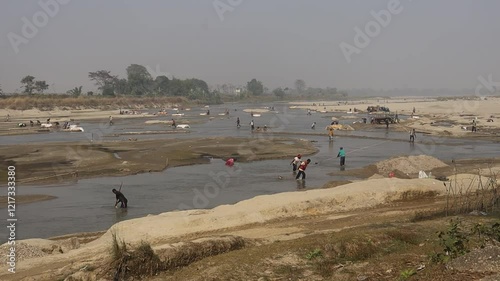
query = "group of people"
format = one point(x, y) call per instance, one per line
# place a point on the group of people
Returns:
point(301, 166)
point(38, 123)
point(252, 125)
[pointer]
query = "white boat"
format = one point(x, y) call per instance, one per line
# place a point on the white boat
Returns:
point(203, 113)
point(177, 114)
point(176, 109)
point(256, 115)
point(46, 125)
point(222, 114)
point(183, 126)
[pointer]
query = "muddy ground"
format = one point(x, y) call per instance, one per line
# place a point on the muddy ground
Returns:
point(62, 162)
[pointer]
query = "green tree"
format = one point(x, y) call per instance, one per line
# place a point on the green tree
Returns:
point(29, 84)
point(255, 87)
point(104, 81)
point(198, 89)
point(108, 90)
point(121, 86)
point(77, 91)
point(199, 84)
point(177, 87)
point(300, 85)
point(1, 92)
point(279, 92)
point(41, 86)
point(161, 85)
point(139, 80)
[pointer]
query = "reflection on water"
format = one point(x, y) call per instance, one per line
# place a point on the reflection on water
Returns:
point(121, 214)
point(301, 184)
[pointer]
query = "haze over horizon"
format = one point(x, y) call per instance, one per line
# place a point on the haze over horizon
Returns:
point(424, 44)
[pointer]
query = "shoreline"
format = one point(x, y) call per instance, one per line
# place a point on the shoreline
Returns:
point(82, 160)
point(474, 166)
point(459, 167)
point(254, 219)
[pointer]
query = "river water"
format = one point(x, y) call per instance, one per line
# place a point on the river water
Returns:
point(87, 205)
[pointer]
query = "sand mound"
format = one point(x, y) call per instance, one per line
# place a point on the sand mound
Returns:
point(23, 251)
point(410, 165)
point(340, 127)
point(255, 110)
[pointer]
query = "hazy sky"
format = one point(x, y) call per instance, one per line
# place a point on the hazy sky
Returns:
point(427, 44)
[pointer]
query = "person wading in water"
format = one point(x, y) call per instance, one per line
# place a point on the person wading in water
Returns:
point(120, 198)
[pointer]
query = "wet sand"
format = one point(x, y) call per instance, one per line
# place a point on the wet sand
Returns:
point(436, 116)
point(65, 162)
point(11, 127)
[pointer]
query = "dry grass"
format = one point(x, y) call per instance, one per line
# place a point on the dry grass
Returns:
point(404, 235)
point(190, 252)
point(138, 262)
point(382, 251)
point(418, 194)
point(289, 272)
point(427, 215)
point(480, 194)
point(50, 102)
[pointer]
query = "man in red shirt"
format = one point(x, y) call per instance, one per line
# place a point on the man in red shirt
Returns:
point(230, 162)
point(302, 169)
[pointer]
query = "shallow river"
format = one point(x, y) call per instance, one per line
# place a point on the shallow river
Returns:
point(87, 205)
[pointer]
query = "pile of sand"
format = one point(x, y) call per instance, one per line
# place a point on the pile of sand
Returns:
point(340, 127)
point(409, 165)
point(23, 251)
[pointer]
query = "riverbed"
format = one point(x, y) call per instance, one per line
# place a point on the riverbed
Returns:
point(87, 205)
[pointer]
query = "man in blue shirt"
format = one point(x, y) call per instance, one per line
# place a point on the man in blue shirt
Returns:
point(342, 156)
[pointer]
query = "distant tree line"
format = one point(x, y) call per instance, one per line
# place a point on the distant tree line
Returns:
point(139, 82)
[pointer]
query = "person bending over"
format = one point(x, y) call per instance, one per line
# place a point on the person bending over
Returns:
point(302, 169)
point(120, 198)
